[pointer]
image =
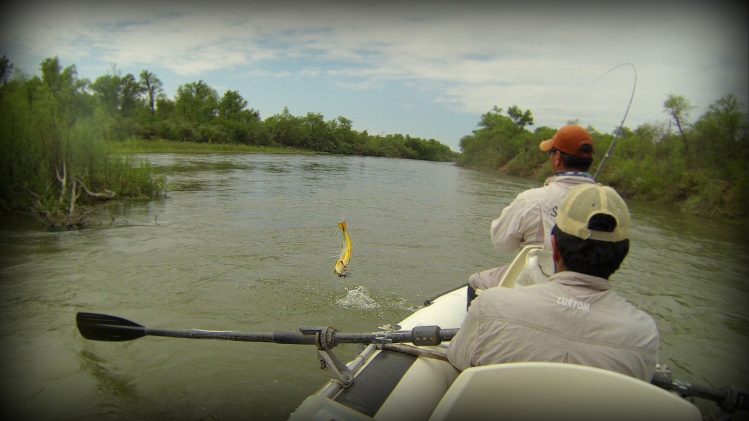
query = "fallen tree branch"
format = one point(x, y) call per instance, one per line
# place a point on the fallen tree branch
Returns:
point(108, 194)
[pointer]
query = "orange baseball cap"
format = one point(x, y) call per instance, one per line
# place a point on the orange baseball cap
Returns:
point(569, 139)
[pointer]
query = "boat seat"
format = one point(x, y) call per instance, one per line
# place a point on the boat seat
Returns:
point(557, 391)
point(532, 265)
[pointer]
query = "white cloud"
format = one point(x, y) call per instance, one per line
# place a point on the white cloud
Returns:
point(467, 57)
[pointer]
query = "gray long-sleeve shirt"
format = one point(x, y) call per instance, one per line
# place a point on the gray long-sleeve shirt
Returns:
point(574, 318)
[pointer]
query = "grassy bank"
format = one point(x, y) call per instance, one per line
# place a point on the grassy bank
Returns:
point(699, 169)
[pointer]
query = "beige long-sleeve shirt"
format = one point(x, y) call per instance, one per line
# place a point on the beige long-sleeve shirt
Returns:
point(573, 318)
point(531, 216)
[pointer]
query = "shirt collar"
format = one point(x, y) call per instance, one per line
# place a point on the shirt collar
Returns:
point(573, 173)
point(580, 279)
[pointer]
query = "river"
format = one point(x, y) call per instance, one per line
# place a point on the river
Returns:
point(248, 243)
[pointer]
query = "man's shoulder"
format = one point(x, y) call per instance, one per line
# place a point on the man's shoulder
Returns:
point(535, 194)
point(554, 189)
point(512, 296)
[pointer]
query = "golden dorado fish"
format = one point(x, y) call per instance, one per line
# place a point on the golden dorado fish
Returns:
point(341, 266)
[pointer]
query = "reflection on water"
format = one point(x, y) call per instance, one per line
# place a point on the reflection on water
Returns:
point(248, 243)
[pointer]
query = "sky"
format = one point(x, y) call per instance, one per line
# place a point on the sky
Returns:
point(427, 69)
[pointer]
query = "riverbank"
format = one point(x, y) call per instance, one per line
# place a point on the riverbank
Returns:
point(131, 146)
point(541, 173)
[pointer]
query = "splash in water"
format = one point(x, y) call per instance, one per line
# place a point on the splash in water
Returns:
point(358, 298)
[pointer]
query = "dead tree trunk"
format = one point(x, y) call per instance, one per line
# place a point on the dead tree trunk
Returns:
point(74, 195)
point(61, 179)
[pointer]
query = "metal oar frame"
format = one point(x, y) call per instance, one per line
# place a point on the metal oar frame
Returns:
point(325, 341)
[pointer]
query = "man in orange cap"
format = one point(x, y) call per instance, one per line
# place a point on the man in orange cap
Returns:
point(528, 220)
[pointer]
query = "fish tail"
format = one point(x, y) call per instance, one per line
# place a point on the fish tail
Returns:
point(342, 225)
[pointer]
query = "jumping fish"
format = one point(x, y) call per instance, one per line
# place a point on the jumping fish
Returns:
point(341, 265)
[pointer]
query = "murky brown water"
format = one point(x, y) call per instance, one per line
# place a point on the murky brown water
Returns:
point(248, 243)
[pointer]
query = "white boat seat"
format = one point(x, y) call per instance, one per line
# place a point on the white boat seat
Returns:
point(557, 391)
point(532, 265)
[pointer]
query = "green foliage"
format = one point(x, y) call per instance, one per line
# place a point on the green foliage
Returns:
point(52, 142)
point(700, 168)
point(56, 120)
point(196, 102)
point(133, 179)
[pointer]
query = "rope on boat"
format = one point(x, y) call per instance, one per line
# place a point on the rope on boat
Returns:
point(419, 352)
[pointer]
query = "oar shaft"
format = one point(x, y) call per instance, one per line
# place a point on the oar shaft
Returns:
point(296, 338)
point(728, 398)
point(102, 327)
point(275, 337)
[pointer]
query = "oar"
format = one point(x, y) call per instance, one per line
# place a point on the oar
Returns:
point(102, 327)
point(728, 398)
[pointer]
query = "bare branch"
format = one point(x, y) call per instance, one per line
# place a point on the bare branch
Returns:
point(108, 194)
point(61, 179)
point(74, 195)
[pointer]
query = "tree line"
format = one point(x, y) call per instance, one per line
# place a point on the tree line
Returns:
point(56, 129)
point(698, 166)
point(137, 107)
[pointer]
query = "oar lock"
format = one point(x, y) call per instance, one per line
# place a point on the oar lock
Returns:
point(324, 336)
point(325, 342)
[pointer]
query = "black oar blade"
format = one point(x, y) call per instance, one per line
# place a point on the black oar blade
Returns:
point(102, 327)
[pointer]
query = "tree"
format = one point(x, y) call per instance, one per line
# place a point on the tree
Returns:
point(107, 89)
point(6, 70)
point(119, 95)
point(285, 128)
point(498, 125)
point(231, 105)
point(315, 131)
point(130, 93)
point(344, 137)
point(196, 102)
point(678, 108)
point(723, 132)
point(519, 117)
point(490, 119)
point(58, 98)
point(152, 87)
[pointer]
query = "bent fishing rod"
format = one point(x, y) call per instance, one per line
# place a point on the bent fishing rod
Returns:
point(621, 125)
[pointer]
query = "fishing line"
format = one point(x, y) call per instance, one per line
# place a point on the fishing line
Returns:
point(619, 129)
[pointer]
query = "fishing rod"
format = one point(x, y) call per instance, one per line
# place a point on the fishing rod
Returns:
point(619, 129)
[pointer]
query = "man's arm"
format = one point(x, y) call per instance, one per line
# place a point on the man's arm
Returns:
point(505, 230)
point(463, 345)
